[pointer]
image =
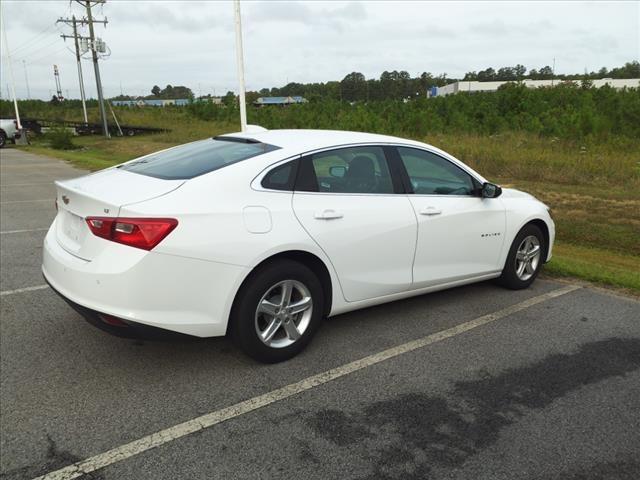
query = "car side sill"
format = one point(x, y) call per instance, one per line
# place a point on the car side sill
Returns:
point(348, 307)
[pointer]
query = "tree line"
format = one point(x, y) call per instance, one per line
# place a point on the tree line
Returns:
point(568, 110)
point(397, 85)
point(392, 85)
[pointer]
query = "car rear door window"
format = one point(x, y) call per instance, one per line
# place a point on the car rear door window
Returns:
point(197, 158)
point(281, 177)
point(430, 174)
point(346, 170)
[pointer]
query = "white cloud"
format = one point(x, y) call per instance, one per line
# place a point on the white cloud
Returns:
point(192, 42)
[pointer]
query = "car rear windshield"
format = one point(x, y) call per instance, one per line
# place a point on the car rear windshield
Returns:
point(197, 158)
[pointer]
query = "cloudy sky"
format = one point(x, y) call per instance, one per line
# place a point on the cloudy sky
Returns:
point(192, 42)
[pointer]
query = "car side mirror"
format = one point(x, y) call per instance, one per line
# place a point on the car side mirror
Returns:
point(491, 190)
point(338, 171)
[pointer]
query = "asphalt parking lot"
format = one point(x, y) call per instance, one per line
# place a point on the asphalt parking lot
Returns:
point(472, 383)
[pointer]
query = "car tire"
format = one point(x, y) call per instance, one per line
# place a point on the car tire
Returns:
point(3, 139)
point(525, 258)
point(263, 323)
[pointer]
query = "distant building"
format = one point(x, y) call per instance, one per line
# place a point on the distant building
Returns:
point(473, 86)
point(209, 99)
point(152, 102)
point(263, 101)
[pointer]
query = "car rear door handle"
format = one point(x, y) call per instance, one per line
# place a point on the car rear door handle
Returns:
point(328, 214)
point(430, 211)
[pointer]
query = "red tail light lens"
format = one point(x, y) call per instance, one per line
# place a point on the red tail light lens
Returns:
point(144, 233)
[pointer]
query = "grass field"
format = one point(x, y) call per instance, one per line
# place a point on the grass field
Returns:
point(592, 187)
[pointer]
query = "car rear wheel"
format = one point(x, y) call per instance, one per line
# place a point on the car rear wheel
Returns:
point(277, 311)
point(525, 258)
point(3, 139)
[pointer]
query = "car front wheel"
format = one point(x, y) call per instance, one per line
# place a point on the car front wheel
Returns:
point(525, 258)
point(277, 311)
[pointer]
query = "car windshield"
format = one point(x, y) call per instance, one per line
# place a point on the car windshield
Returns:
point(197, 158)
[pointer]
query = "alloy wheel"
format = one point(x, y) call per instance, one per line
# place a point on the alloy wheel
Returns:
point(283, 313)
point(528, 257)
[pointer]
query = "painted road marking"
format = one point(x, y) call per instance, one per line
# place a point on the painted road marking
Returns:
point(170, 434)
point(28, 201)
point(26, 184)
point(23, 290)
point(27, 165)
point(7, 232)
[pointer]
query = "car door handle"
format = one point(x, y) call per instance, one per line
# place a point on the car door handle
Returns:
point(328, 214)
point(430, 211)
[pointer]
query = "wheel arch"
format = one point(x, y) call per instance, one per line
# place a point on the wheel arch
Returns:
point(542, 225)
point(312, 261)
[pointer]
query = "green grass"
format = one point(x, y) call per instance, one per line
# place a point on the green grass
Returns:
point(596, 265)
point(592, 187)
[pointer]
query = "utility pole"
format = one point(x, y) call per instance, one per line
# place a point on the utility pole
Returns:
point(13, 86)
point(94, 53)
point(240, 62)
point(26, 79)
point(56, 76)
point(76, 37)
point(80, 79)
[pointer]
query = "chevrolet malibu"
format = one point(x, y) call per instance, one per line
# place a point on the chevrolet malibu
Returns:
point(262, 234)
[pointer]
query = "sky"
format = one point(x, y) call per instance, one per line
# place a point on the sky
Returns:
point(192, 43)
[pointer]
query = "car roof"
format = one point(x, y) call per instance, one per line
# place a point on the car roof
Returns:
point(299, 141)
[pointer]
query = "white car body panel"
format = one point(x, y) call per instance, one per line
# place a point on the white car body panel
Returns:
point(459, 237)
point(381, 249)
point(370, 239)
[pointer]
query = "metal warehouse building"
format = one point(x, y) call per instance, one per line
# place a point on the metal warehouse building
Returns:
point(475, 86)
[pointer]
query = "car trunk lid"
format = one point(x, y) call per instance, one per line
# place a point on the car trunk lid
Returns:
point(100, 194)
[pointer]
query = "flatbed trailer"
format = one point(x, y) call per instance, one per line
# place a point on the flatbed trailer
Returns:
point(37, 125)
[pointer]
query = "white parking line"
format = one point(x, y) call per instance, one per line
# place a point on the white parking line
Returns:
point(205, 421)
point(26, 184)
point(27, 165)
point(23, 290)
point(28, 201)
point(7, 232)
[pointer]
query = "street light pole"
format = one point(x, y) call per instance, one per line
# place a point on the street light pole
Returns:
point(240, 62)
point(13, 85)
point(26, 79)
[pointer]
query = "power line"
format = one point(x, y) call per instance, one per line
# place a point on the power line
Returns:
point(47, 55)
point(34, 38)
point(24, 56)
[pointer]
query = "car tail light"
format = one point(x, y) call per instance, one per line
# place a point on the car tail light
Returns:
point(113, 321)
point(144, 233)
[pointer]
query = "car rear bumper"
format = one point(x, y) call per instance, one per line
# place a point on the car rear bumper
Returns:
point(120, 329)
point(169, 292)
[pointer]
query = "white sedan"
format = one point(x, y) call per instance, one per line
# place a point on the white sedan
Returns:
point(262, 234)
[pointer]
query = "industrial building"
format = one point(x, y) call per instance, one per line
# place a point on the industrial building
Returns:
point(473, 86)
point(263, 101)
point(155, 102)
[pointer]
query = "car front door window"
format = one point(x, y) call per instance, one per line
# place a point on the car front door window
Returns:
point(430, 174)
